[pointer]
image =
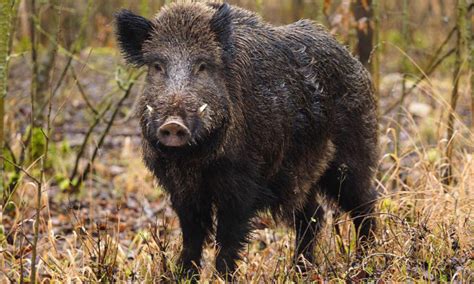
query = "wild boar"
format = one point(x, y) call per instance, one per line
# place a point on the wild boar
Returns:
point(240, 116)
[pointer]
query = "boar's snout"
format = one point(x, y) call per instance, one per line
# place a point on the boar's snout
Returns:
point(173, 132)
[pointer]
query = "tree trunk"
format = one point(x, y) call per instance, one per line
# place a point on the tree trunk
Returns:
point(375, 61)
point(404, 71)
point(470, 24)
point(363, 13)
point(460, 46)
point(45, 63)
point(298, 10)
point(471, 60)
point(5, 20)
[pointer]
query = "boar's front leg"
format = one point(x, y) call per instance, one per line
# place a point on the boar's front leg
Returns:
point(233, 228)
point(195, 217)
point(237, 195)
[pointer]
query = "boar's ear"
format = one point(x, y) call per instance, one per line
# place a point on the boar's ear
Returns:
point(221, 25)
point(131, 31)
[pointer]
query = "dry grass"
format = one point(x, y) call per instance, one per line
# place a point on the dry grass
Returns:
point(121, 228)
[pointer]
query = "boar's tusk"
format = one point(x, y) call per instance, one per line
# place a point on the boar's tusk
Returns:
point(202, 108)
point(150, 109)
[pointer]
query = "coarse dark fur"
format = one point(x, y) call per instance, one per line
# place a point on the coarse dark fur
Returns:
point(277, 115)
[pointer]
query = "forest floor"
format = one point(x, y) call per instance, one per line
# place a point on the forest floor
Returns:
point(120, 226)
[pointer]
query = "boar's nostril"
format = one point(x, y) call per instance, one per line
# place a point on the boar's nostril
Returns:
point(174, 133)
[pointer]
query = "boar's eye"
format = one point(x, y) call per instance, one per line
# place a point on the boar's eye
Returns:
point(158, 67)
point(202, 67)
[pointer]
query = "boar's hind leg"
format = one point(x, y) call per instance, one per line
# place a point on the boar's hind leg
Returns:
point(308, 223)
point(354, 194)
point(196, 223)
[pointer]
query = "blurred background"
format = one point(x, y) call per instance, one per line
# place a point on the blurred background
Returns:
point(78, 204)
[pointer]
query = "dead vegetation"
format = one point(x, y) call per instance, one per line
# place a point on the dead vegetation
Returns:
point(103, 218)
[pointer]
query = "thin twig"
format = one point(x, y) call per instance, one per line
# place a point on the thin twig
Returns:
point(82, 92)
point(126, 94)
point(44, 161)
point(20, 168)
point(420, 79)
point(431, 66)
point(80, 153)
point(10, 150)
point(34, 60)
point(458, 64)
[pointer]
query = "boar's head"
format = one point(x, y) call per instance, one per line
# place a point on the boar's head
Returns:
point(186, 49)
